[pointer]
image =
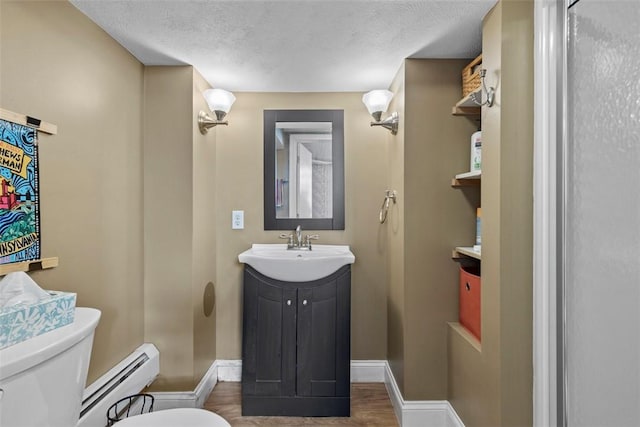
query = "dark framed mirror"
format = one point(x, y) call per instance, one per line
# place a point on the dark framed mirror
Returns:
point(304, 169)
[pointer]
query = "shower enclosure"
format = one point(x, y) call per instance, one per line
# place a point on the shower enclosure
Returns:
point(598, 216)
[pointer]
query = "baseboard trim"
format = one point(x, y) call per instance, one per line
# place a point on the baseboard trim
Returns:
point(362, 371)
point(229, 370)
point(189, 399)
point(419, 413)
point(367, 371)
point(410, 413)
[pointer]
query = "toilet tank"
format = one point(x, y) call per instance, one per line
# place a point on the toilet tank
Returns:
point(42, 379)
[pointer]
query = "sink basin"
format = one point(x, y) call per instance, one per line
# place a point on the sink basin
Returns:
point(293, 265)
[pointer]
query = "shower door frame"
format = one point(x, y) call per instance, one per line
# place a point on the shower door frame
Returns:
point(550, 136)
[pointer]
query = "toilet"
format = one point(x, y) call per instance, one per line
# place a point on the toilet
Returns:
point(175, 417)
point(42, 380)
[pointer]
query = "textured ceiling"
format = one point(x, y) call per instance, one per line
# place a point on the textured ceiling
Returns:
point(292, 46)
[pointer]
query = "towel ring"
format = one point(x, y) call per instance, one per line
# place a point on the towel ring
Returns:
point(384, 209)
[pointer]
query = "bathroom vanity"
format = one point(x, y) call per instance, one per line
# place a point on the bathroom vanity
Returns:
point(296, 344)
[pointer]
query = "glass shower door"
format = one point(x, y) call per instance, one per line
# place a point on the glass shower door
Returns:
point(601, 215)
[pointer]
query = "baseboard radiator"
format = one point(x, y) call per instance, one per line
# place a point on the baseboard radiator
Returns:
point(133, 374)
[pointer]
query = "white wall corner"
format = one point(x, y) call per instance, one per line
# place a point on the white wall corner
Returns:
point(206, 385)
point(189, 399)
point(229, 370)
point(419, 413)
point(453, 420)
point(394, 392)
point(173, 399)
point(367, 371)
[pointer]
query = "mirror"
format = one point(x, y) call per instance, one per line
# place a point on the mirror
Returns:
point(303, 169)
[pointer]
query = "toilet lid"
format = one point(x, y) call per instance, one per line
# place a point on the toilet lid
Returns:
point(184, 417)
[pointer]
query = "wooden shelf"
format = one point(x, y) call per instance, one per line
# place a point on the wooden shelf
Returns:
point(466, 106)
point(468, 336)
point(467, 179)
point(462, 252)
point(36, 264)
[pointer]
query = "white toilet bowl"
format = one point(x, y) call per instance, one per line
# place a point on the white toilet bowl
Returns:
point(181, 417)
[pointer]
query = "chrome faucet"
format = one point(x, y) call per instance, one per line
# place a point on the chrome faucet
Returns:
point(296, 241)
point(299, 236)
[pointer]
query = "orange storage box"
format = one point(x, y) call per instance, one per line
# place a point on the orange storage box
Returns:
point(470, 299)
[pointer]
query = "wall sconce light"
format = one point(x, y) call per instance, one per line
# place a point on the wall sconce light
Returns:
point(491, 92)
point(220, 102)
point(377, 102)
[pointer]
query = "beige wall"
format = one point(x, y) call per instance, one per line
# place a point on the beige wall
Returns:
point(430, 219)
point(395, 236)
point(60, 67)
point(437, 219)
point(204, 235)
point(93, 90)
point(239, 186)
point(168, 222)
point(179, 224)
point(516, 221)
point(499, 390)
point(57, 65)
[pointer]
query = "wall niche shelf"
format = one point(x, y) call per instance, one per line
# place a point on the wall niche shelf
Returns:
point(466, 252)
point(34, 264)
point(466, 335)
point(466, 106)
point(467, 179)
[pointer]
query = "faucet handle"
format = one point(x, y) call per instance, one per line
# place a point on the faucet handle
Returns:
point(289, 238)
point(308, 238)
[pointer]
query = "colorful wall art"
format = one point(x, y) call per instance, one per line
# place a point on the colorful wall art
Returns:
point(19, 201)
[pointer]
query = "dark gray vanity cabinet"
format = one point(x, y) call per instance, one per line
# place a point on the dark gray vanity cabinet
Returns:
point(296, 345)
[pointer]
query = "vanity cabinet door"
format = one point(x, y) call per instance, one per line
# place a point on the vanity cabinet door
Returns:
point(269, 335)
point(324, 339)
point(296, 346)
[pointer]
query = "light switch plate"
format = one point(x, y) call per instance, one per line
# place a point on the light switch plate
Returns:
point(237, 220)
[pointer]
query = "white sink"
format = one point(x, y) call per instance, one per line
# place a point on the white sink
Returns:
point(296, 265)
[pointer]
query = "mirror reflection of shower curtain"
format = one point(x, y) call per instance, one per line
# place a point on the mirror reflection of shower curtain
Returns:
point(601, 215)
point(322, 199)
point(305, 182)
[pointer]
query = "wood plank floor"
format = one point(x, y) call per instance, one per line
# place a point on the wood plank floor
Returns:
point(370, 407)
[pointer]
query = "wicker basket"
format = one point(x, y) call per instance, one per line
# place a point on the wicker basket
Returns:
point(471, 76)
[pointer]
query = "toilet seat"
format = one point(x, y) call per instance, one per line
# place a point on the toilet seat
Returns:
point(183, 417)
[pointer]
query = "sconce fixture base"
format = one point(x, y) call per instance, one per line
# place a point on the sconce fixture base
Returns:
point(205, 122)
point(390, 123)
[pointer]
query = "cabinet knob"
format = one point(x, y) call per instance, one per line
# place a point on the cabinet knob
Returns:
point(304, 302)
point(288, 302)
